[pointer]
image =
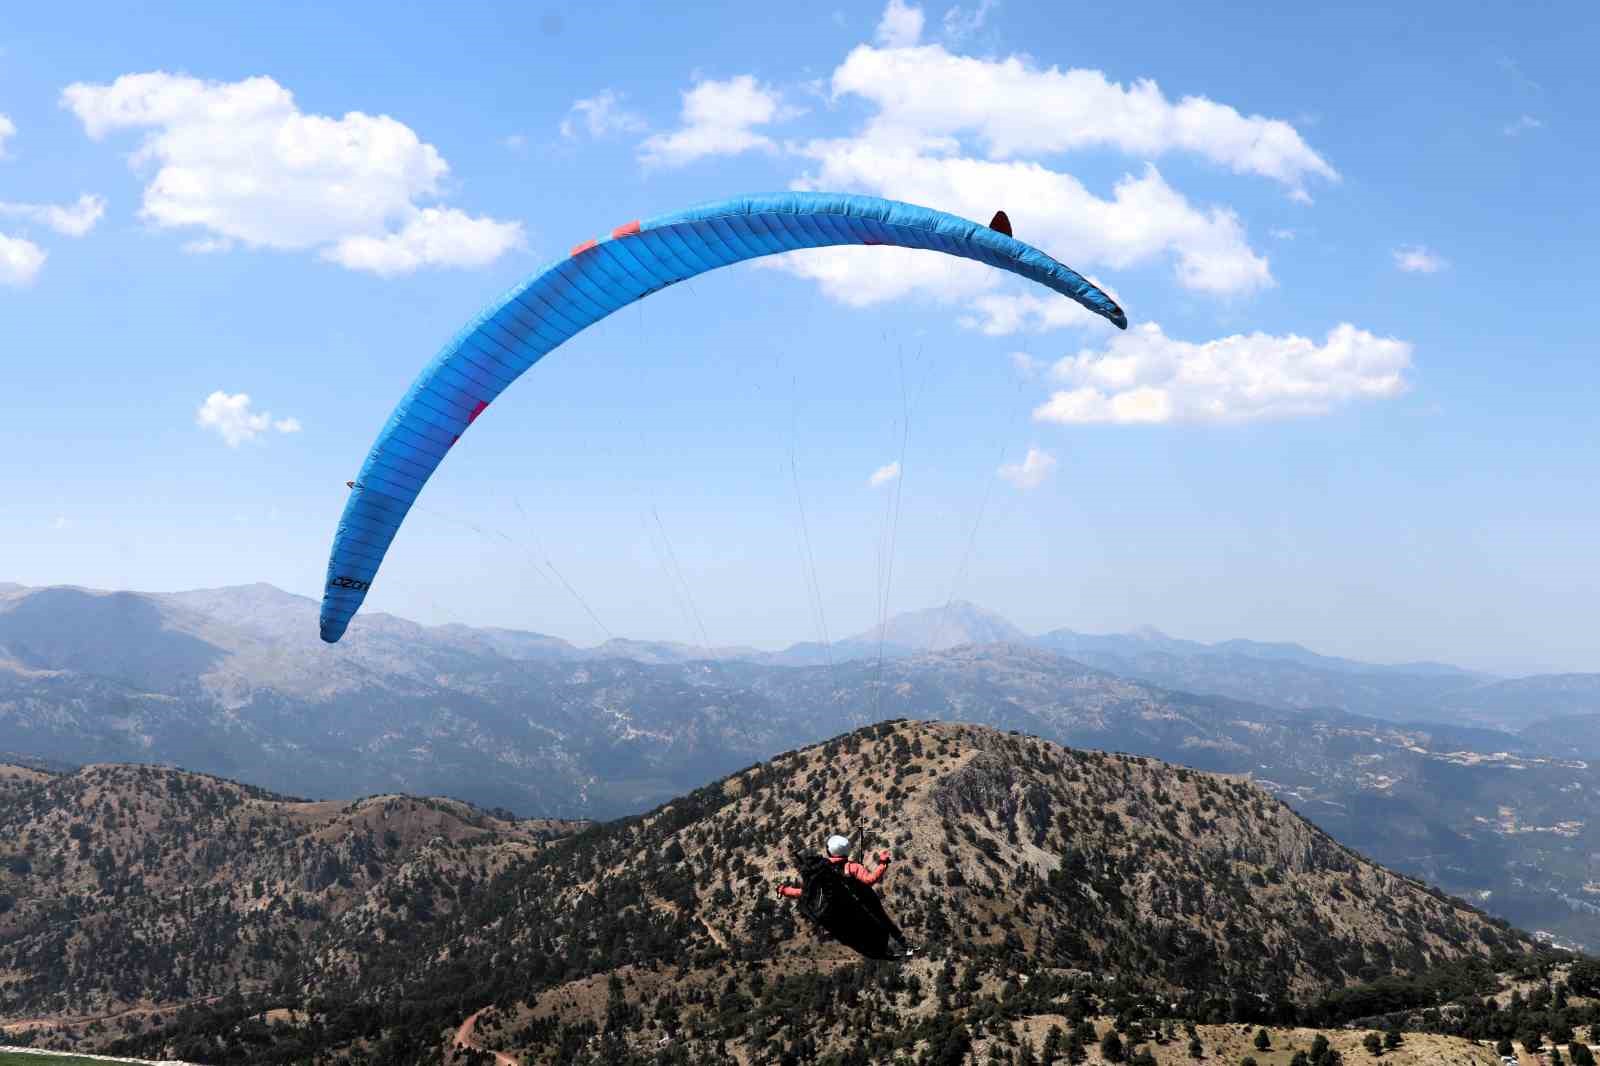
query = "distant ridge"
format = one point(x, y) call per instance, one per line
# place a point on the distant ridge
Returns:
point(264, 607)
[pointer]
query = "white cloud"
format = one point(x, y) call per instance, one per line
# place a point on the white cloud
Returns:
point(61, 522)
point(1415, 259)
point(515, 142)
point(967, 135)
point(1145, 220)
point(243, 163)
point(601, 115)
point(231, 418)
point(1012, 109)
point(1144, 376)
point(884, 474)
point(960, 23)
point(73, 220)
point(1521, 125)
point(1281, 233)
point(900, 26)
point(20, 260)
point(434, 236)
point(1031, 472)
point(718, 119)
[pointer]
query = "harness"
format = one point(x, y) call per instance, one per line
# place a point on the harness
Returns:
point(822, 886)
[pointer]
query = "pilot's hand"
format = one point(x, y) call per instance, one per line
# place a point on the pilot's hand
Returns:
point(884, 856)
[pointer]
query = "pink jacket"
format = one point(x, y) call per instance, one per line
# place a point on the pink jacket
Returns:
point(851, 869)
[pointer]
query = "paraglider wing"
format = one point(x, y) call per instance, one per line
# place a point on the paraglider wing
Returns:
point(597, 278)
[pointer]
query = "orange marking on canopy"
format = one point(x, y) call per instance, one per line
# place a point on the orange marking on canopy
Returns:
point(627, 229)
point(584, 247)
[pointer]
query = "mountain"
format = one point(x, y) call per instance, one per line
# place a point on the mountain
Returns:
point(907, 633)
point(1037, 880)
point(1575, 735)
point(938, 628)
point(235, 682)
point(1279, 675)
point(129, 891)
point(1523, 701)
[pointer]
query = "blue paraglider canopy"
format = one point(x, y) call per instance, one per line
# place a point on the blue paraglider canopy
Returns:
point(597, 278)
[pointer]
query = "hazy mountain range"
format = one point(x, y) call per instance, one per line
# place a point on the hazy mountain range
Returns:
point(1394, 760)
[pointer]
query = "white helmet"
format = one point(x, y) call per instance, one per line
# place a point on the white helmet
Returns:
point(838, 846)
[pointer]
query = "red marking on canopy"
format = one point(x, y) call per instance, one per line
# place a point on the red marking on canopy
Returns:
point(627, 229)
point(869, 240)
point(584, 247)
point(476, 411)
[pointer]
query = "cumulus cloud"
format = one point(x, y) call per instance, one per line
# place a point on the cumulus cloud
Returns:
point(231, 418)
point(1144, 220)
point(884, 474)
point(1012, 109)
point(434, 236)
point(1144, 376)
point(1415, 259)
point(241, 162)
point(1031, 472)
point(967, 134)
point(900, 26)
point(601, 115)
point(719, 118)
point(20, 260)
point(73, 220)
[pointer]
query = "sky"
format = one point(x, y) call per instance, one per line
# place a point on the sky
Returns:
point(1357, 248)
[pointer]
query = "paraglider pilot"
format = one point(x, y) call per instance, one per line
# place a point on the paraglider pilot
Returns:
point(837, 897)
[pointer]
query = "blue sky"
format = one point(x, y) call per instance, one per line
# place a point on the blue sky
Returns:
point(1358, 250)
